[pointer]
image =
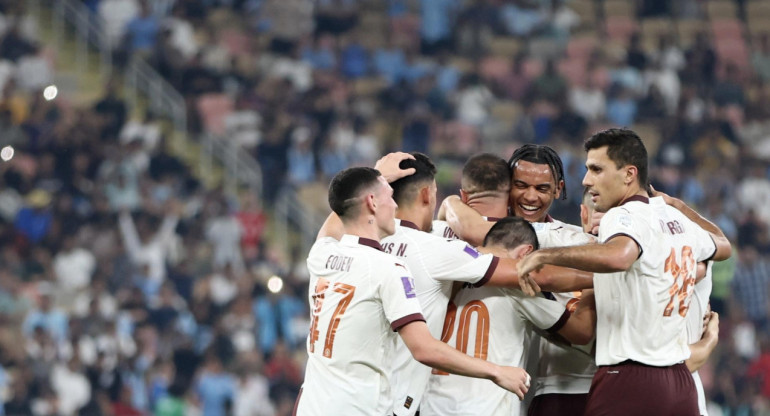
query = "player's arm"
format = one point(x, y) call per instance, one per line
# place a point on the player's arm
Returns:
point(580, 328)
point(723, 247)
point(701, 350)
point(466, 222)
point(615, 255)
point(389, 169)
point(550, 278)
point(436, 354)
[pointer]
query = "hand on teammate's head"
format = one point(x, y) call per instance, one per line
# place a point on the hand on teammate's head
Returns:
point(388, 166)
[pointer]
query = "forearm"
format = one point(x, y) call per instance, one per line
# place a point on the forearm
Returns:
point(332, 227)
point(581, 326)
point(723, 249)
point(597, 258)
point(441, 356)
point(550, 278)
point(468, 224)
point(700, 352)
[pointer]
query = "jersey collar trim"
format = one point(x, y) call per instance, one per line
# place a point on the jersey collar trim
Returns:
point(409, 224)
point(369, 242)
point(639, 198)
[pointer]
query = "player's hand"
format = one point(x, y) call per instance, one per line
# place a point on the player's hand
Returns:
point(596, 218)
point(711, 325)
point(514, 379)
point(388, 166)
point(530, 263)
point(668, 199)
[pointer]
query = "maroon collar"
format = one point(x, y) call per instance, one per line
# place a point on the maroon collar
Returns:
point(493, 219)
point(410, 224)
point(369, 242)
point(640, 198)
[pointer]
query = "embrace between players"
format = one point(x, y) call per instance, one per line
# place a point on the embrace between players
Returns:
point(408, 318)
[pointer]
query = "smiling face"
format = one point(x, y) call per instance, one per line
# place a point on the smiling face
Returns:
point(606, 183)
point(533, 190)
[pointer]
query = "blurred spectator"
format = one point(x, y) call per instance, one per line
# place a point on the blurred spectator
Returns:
point(215, 388)
point(73, 265)
point(760, 59)
point(751, 284)
point(116, 14)
point(146, 247)
point(34, 220)
point(142, 30)
point(224, 232)
point(588, 100)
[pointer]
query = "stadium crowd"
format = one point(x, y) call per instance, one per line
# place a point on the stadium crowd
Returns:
point(127, 287)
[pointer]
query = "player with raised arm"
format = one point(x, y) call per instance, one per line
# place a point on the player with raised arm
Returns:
point(649, 254)
point(495, 324)
point(360, 297)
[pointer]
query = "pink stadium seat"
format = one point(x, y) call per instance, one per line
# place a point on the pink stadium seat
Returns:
point(620, 28)
point(574, 70)
point(581, 47)
point(494, 68)
point(235, 41)
point(213, 108)
point(727, 28)
point(533, 68)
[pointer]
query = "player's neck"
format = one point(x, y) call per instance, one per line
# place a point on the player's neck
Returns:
point(489, 206)
point(632, 192)
point(366, 228)
point(412, 214)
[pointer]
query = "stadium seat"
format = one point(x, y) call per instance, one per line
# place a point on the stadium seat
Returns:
point(726, 28)
point(213, 108)
point(721, 9)
point(619, 8)
point(506, 112)
point(757, 25)
point(586, 9)
point(574, 70)
point(620, 28)
point(369, 86)
point(755, 9)
point(687, 30)
point(581, 47)
point(494, 68)
point(657, 27)
point(504, 46)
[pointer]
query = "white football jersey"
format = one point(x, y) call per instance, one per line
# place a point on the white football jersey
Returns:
point(442, 229)
point(359, 296)
point(641, 311)
point(698, 307)
point(436, 263)
point(493, 324)
point(562, 369)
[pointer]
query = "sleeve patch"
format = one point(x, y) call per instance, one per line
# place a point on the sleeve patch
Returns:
point(471, 251)
point(408, 283)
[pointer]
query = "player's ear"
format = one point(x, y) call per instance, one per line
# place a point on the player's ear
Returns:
point(371, 205)
point(631, 174)
point(558, 190)
point(520, 251)
point(463, 196)
point(425, 192)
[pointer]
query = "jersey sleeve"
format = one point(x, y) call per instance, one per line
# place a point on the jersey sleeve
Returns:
point(399, 299)
point(619, 221)
point(705, 247)
point(545, 314)
point(456, 260)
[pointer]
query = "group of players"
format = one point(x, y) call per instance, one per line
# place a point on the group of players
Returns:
point(412, 315)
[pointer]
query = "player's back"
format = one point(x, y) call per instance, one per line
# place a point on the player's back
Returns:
point(653, 295)
point(435, 263)
point(493, 324)
point(357, 295)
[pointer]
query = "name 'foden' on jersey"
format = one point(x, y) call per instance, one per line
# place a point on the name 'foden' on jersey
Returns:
point(339, 263)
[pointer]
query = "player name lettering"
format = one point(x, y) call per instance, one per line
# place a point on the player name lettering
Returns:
point(339, 263)
point(672, 227)
point(400, 251)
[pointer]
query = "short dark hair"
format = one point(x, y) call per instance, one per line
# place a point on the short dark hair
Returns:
point(405, 189)
point(542, 155)
point(346, 186)
point(511, 232)
point(486, 172)
point(624, 147)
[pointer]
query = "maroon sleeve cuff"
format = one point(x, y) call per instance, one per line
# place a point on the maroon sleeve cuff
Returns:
point(632, 238)
point(560, 323)
point(400, 322)
point(489, 273)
